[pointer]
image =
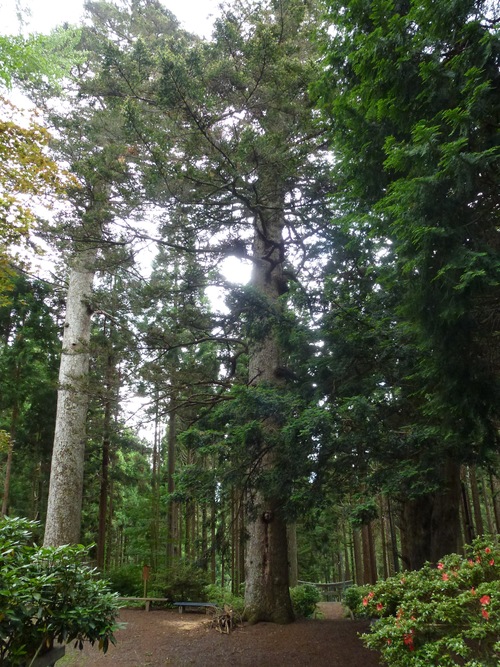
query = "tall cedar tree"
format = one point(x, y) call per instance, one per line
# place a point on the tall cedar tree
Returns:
point(250, 137)
point(412, 90)
point(242, 167)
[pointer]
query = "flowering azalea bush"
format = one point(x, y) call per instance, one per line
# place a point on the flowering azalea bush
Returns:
point(440, 616)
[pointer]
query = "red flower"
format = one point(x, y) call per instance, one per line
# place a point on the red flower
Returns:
point(492, 562)
point(370, 595)
point(408, 640)
point(473, 591)
point(380, 606)
point(445, 577)
point(485, 600)
point(365, 602)
point(485, 614)
point(487, 550)
point(440, 566)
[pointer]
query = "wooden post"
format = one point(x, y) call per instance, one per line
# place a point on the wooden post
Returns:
point(145, 578)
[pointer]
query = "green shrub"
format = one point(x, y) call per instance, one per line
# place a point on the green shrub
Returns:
point(48, 595)
point(304, 600)
point(126, 580)
point(441, 616)
point(353, 600)
point(183, 582)
point(221, 596)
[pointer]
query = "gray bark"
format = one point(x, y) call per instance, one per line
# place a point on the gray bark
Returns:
point(267, 596)
point(66, 477)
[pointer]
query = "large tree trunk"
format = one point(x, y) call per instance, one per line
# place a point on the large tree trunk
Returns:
point(66, 478)
point(431, 523)
point(267, 596)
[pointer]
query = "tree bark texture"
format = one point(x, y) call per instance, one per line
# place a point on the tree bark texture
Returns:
point(66, 477)
point(431, 523)
point(267, 596)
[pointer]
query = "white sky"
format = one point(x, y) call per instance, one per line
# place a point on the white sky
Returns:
point(194, 15)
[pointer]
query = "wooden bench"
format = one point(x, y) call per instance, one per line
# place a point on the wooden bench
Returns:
point(208, 606)
point(147, 601)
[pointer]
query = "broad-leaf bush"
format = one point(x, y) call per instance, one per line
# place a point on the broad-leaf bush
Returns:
point(440, 616)
point(304, 600)
point(48, 595)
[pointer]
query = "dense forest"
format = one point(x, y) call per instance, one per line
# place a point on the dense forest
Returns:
point(332, 418)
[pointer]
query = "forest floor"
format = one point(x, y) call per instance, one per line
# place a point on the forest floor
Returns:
point(165, 638)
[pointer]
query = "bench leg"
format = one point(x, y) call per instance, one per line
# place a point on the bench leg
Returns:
point(148, 605)
point(181, 609)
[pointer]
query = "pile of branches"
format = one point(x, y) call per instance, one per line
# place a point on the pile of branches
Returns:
point(225, 620)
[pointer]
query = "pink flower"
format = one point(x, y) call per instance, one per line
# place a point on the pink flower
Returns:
point(487, 550)
point(440, 566)
point(485, 600)
point(365, 602)
point(445, 577)
point(492, 562)
point(485, 614)
point(380, 606)
point(370, 595)
point(471, 562)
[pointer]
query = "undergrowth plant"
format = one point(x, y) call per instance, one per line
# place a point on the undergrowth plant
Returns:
point(222, 596)
point(304, 600)
point(48, 595)
point(443, 615)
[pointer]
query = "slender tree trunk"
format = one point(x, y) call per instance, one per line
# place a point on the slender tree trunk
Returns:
point(394, 540)
point(104, 490)
point(105, 459)
point(293, 566)
point(369, 564)
point(6, 482)
point(348, 571)
point(467, 514)
point(495, 493)
point(487, 506)
point(383, 535)
point(10, 452)
point(172, 512)
point(213, 544)
point(358, 558)
point(476, 503)
point(66, 479)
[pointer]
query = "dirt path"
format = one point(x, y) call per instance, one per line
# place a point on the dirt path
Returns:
point(166, 638)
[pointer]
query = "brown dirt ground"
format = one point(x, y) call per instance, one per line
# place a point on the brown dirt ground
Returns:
point(165, 638)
